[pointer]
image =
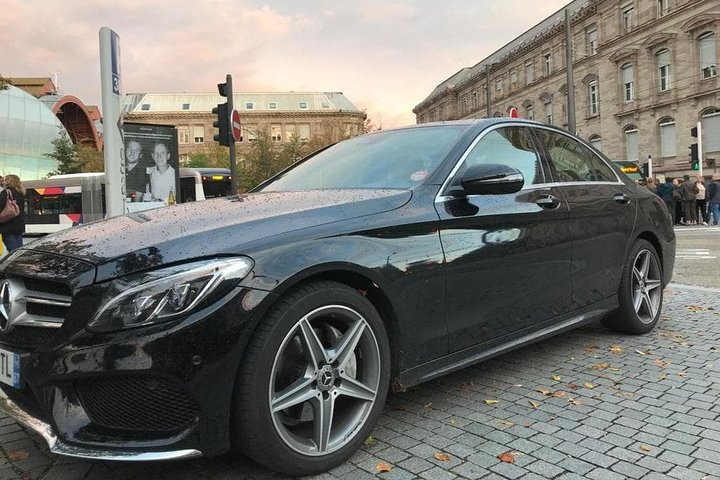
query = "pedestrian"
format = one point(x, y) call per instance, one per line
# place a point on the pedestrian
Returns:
point(677, 202)
point(689, 191)
point(651, 185)
point(13, 229)
point(664, 191)
point(700, 200)
point(713, 198)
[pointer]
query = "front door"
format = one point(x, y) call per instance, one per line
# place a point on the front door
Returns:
point(507, 256)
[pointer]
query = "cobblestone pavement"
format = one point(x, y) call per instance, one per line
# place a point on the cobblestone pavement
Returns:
point(586, 404)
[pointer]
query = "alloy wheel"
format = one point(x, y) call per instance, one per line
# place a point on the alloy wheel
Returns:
point(324, 380)
point(646, 286)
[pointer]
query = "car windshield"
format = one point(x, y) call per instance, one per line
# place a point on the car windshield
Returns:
point(391, 159)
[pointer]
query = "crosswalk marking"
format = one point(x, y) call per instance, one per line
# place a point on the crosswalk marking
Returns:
point(694, 254)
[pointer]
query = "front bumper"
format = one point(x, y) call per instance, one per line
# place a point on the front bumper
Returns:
point(160, 392)
point(61, 448)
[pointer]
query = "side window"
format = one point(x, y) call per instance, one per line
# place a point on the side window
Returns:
point(571, 161)
point(511, 146)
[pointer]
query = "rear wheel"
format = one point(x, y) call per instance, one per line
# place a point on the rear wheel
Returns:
point(640, 293)
point(314, 380)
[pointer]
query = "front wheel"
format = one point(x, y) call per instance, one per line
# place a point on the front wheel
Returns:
point(640, 293)
point(314, 380)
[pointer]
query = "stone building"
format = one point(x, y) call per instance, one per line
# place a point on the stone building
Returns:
point(280, 116)
point(644, 73)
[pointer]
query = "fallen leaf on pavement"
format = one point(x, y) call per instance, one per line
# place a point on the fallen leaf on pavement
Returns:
point(507, 423)
point(600, 366)
point(589, 385)
point(507, 457)
point(558, 393)
point(383, 467)
point(644, 448)
point(574, 401)
point(660, 362)
point(18, 455)
point(616, 349)
point(572, 386)
point(545, 392)
point(370, 441)
point(557, 378)
point(662, 376)
point(640, 352)
point(428, 406)
point(491, 402)
point(442, 456)
point(681, 374)
point(535, 405)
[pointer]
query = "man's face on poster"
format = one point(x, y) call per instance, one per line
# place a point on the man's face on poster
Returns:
point(161, 155)
point(133, 152)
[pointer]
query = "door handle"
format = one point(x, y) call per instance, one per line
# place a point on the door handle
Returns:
point(548, 201)
point(621, 198)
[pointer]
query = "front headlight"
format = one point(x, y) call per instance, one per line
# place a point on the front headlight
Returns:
point(160, 295)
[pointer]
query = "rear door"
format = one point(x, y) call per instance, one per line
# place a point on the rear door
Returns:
point(602, 214)
point(507, 256)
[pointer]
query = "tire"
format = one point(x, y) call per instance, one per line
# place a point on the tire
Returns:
point(313, 380)
point(640, 293)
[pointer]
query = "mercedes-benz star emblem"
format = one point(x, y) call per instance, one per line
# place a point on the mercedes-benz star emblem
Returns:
point(5, 304)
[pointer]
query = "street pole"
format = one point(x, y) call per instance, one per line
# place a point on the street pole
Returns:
point(231, 140)
point(650, 172)
point(700, 149)
point(488, 109)
point(569, 75)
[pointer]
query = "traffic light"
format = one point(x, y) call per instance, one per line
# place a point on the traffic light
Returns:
point(694, 157)
point(222, 123)
point(693, 132)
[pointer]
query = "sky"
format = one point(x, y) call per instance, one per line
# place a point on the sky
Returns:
point(385, 56)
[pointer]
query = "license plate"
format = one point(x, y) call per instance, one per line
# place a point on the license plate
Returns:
point(10, 368)
point(217, 177)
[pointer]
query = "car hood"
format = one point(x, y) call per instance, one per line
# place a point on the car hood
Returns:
point(224, 226)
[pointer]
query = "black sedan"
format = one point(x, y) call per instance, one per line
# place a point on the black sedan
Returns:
point(277, 321)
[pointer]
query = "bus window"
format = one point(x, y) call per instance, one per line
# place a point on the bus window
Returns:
point(216, 186)
point(62, 203)
point(187, 189)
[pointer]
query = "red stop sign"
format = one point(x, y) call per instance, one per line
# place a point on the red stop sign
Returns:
point(235, 125)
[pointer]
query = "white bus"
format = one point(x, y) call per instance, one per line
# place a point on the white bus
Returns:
point(61, 201)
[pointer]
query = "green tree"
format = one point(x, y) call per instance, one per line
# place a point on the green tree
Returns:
point(90, 159)
point(197, 160)
point(213, 155)
point(65, 153)
point(4, 83)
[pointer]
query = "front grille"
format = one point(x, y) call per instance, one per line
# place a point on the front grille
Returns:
point(27, 336)
point(137, 403)
point(36, 308)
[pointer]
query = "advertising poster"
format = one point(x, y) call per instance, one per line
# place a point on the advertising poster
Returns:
point(152, 172)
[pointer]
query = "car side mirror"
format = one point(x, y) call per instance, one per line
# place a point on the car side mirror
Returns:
point(491, 179)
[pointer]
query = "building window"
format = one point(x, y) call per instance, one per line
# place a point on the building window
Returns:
point(249, 106)
point(547, 64)
point(498, 85)
point(304, 132)
point(667, 138)
point(272, 105)
point(663, 63)
point(627, 81)
point(549, 113)
point(198, 133)
point(593, 98)
point(628, 14)
point(251, 132)
point(529, 73)
point(529, 113)
point(513, 78)
point(631, 143)
point(145, 106)
point(708, 56)
point(596, 142)
point(663, 8)
point(183, 135)
point(303, 105)
point(591, 40)
point(290, 132)
point(464, 105)
point(275, 133)
point(474, 100)
point(186, 106)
